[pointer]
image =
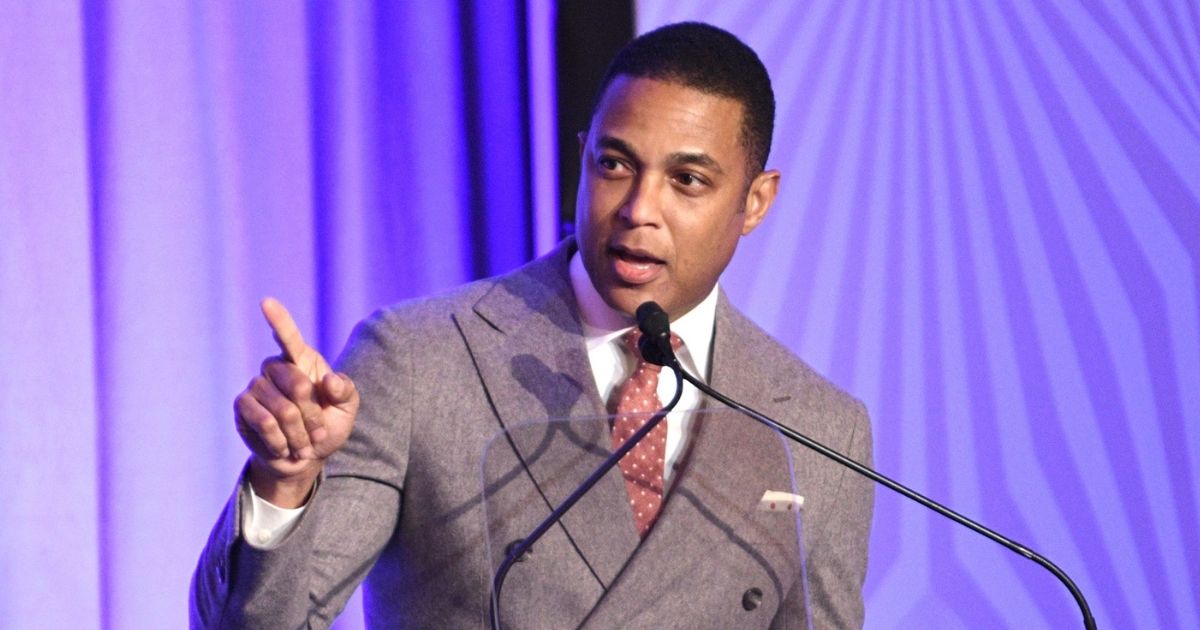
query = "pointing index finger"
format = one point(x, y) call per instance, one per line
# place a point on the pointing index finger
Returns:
point(287, 334)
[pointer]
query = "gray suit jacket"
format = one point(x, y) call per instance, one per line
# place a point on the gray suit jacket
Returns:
point(401, 504)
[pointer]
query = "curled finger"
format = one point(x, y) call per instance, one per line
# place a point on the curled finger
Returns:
point(287, 416)
point(297, 387)
point(255, 423)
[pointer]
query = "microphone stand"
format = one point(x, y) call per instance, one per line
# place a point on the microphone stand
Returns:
point(656, 348)
point(1088, 622)
point(518, 550)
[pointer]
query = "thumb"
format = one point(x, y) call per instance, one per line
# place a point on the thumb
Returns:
point(338, 390)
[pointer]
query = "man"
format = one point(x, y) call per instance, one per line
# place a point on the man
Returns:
point(374, 472)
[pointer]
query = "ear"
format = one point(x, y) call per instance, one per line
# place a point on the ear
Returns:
point(759, 198)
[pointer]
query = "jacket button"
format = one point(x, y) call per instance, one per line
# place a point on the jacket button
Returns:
point(752, 598)
point(512, 546)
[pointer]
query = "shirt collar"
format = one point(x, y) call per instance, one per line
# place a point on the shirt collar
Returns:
point(602, 323)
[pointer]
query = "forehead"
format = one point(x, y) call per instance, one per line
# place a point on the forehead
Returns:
point(658, 117)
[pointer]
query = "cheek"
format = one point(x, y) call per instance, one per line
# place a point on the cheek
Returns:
point(600, 203)
point(703, 249)
point(587, 203)
point(584, 193)
point(606, 195)
point(707, 231)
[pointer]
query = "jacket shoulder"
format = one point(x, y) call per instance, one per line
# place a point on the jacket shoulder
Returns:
point(538, 285)
point(780, 365)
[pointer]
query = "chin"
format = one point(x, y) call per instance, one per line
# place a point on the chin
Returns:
point(627, 300)
point(624, 304)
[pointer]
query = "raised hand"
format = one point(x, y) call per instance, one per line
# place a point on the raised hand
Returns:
point(293, 415)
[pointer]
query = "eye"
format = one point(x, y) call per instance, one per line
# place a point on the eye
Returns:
point(610, 166)
point(690, 181)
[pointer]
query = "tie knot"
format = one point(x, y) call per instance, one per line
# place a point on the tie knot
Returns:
point(632, 338)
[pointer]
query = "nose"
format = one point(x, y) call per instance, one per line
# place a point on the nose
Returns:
point(643, 206)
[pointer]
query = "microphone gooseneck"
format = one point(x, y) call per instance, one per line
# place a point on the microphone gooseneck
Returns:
point(655, 327)
point(660, 324)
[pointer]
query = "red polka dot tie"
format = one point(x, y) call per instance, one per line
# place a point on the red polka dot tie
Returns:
point(635, 402)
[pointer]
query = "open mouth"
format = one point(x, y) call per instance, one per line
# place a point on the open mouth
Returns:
point(635, 266)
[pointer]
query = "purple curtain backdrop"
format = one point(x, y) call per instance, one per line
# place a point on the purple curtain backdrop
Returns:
point(165, 165)
point(989, 230)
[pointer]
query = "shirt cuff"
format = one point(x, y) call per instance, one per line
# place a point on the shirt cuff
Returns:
point(264, 524)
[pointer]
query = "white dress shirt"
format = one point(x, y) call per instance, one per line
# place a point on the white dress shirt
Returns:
point(265, 525)
point(603, 328)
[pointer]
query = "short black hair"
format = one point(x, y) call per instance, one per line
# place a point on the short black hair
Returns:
point(705, 58)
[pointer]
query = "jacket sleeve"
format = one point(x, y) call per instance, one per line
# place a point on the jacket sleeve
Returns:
point(306, 580)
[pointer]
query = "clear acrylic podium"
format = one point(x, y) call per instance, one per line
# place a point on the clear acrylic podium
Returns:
point(721, 554)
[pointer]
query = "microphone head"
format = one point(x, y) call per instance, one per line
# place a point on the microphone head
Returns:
point(655, 344)
point(652, 320)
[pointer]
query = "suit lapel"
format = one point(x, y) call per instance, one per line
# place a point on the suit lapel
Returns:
point(527, 343)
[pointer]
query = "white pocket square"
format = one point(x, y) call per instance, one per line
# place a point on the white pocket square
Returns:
point(775, 501)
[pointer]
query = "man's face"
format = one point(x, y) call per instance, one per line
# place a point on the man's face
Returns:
point(664, 193)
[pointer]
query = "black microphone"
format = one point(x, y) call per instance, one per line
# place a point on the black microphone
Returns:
point(655, 344)
point(655, 326)
point(660, 331)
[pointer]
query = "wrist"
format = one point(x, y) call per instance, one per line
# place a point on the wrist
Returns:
point(282, 490)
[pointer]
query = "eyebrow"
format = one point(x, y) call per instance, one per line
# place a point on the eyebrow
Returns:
point(697, 159)
point(680, 157)
point(616, 144)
